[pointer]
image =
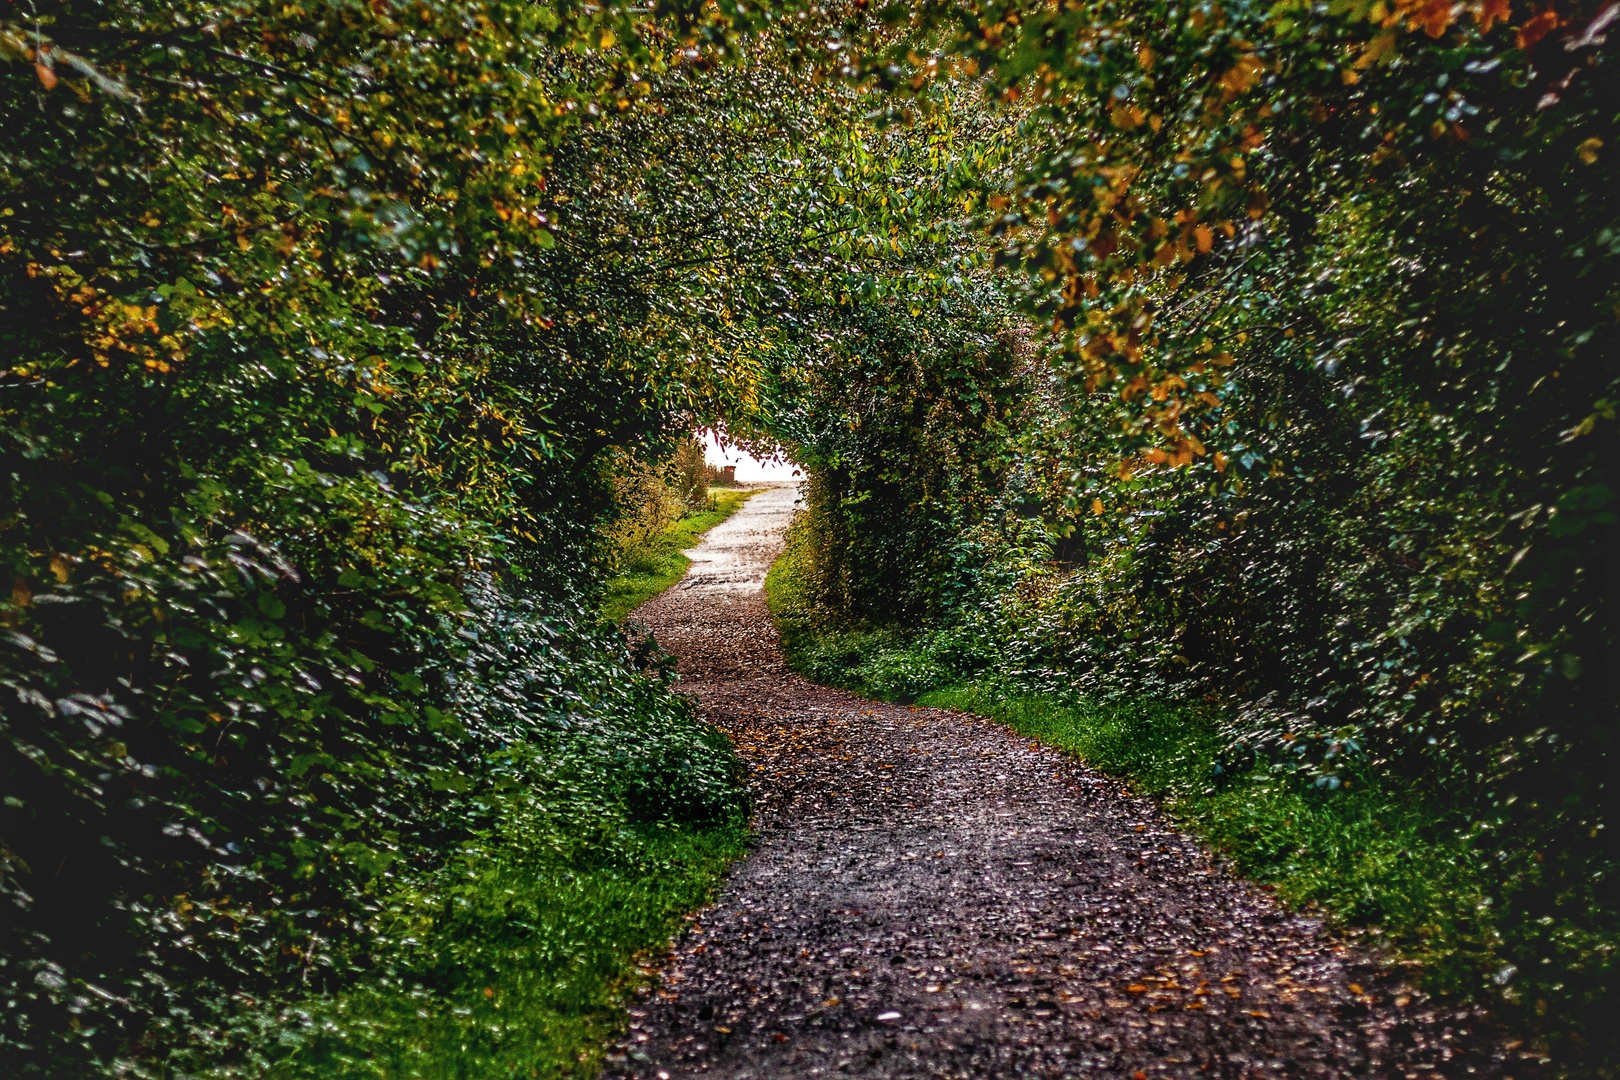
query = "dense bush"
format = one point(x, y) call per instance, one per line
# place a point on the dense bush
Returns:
point(320, 328)
point(1333, 295)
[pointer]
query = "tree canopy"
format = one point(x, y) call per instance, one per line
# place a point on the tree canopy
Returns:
point(1260, 352)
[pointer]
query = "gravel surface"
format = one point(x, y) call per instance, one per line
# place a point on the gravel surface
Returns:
point(932, 896)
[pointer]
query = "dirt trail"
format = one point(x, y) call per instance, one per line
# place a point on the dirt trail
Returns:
point(933, 896)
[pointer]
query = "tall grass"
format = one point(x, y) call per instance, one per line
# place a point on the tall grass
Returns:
point(645, 570)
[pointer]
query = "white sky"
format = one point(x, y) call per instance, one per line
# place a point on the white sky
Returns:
point(748, 467)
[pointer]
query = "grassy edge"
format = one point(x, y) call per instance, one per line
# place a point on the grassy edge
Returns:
point(523, 1007)
point(1376, 857)
point(540, 1005)
point(626, 592)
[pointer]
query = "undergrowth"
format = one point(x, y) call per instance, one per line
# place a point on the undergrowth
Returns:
point(521, 972)
point(511, 958)
point(648, 569)
point(1372, 852)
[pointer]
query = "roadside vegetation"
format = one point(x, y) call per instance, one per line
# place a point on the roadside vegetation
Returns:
point(1373, 853)
point(662, 514)
point(346, 353)
point(1290, 501)
point(1253, 366)
point(656, 565)
point(527, 973)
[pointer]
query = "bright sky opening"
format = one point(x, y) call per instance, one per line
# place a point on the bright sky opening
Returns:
point(749, 468)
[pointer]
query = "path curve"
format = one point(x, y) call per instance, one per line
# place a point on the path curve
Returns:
point(931, 895)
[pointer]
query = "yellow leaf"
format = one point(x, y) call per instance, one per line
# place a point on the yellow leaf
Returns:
point(1588, 150)
point(1243, 75)
point(1376, 50)
point(1127, 117)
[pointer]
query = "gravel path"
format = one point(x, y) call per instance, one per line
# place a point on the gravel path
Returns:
point(932, 896)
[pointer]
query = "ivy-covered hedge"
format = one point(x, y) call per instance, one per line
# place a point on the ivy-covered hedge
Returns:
point(1319, 430)
point(304, 422)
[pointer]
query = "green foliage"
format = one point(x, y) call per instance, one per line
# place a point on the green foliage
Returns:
point(901, 434)
point(321, 325)
point(689, 474)
point(1332, 293)
point(318, 326)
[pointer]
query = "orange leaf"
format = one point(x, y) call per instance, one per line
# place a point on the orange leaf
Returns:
point(1126, 117)
point(1244, 74)
point(1259, 202)
point(46, 76)
point(1204, 238)
point(1490, 13)
point(1539, 26)
point(1434, 16)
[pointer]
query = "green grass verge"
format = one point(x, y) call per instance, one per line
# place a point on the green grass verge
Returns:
point(660, 564)
point(522, 975)
point(1373, 853)
point(514, 960)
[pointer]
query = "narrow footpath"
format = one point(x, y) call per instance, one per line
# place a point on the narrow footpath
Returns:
point(932, 896)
